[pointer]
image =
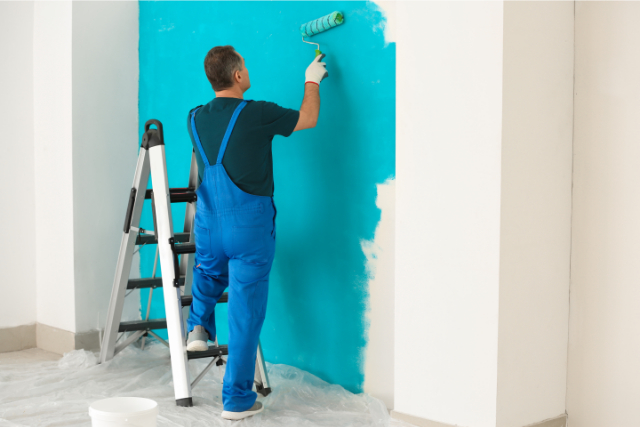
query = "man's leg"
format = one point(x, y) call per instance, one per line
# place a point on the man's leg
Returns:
point(248, 289)
point(210, 278)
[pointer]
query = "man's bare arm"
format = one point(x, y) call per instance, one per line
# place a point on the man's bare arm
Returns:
point(316, 72)
point(310, 108)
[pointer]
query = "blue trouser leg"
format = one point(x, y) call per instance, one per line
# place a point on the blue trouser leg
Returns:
point(206, 291)
point(248, 289)
point(210, 277)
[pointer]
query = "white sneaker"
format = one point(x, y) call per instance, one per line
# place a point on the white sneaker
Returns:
point(197, 340)
point(255, 409)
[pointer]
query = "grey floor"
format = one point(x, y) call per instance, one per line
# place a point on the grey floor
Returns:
point(26, 356)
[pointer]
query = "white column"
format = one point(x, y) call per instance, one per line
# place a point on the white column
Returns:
point(483, 211)
point(54, 251)
point(18, 304)
point(449, 110)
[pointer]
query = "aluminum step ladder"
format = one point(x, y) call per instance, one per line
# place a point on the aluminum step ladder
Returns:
point(175, 251)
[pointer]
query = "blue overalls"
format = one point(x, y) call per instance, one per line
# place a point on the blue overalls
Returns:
point(235, 246)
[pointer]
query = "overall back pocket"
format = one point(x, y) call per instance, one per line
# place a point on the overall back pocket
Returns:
point(250, 244)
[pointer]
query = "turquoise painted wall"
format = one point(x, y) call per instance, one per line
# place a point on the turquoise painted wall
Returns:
point(325, 178)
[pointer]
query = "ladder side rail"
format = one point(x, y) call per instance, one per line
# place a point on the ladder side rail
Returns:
point(125, 258)
point(261, 377)
point(187, 260)
point(172, 302)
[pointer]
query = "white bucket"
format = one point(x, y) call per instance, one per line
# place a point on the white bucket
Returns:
point(124, 412)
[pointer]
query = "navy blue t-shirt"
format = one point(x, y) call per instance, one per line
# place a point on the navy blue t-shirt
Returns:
point(248, 160)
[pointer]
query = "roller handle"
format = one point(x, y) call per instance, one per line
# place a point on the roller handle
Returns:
point(318, 53)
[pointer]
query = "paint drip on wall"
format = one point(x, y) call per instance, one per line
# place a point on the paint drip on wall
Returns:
point(325, 178)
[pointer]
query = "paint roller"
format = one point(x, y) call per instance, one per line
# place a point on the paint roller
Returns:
point(319, 25)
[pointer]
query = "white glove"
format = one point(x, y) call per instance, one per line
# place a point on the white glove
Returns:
point(317, 71)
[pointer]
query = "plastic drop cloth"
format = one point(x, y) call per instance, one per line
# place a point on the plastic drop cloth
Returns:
point(58, 393)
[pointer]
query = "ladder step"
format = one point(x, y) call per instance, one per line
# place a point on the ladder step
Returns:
point(148, 282)
point(142, 325)
point(147, 239)
point(185, 248)
point(188, 299)
point(212, 352)
point(149, 192)
point(189, 197)
point(177, 195)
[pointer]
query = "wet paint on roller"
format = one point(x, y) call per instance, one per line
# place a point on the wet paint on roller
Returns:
point(321, 24)
point(325, 178)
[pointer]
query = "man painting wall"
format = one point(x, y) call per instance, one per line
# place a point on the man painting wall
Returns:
point(235, 219)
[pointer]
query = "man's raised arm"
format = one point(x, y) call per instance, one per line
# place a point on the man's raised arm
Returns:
point(310, 108)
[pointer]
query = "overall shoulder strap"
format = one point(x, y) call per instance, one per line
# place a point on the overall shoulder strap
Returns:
point(227, 134)
point(196, 138)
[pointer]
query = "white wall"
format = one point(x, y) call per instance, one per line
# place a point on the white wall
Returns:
point(604, 344)
point(449, 121)
point(535, 234)
point(105, 146)
point(54, 251)
point(17, 251)
point(380, 253)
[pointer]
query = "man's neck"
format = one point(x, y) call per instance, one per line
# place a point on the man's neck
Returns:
point(234, 92)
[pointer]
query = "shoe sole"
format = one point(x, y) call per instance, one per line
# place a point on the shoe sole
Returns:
point(197, 346)
point(234, 416)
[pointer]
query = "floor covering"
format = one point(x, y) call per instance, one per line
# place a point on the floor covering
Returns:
point(38, 388)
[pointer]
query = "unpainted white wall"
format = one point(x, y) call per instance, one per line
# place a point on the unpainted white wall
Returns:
point(53, 136)
point(105, 146)
point(535, 225)
point(449, 125)
point(17, 251)
point(380, 253)
point(604, 343)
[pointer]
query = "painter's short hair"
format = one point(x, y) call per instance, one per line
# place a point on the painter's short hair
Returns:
point(220, 64)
